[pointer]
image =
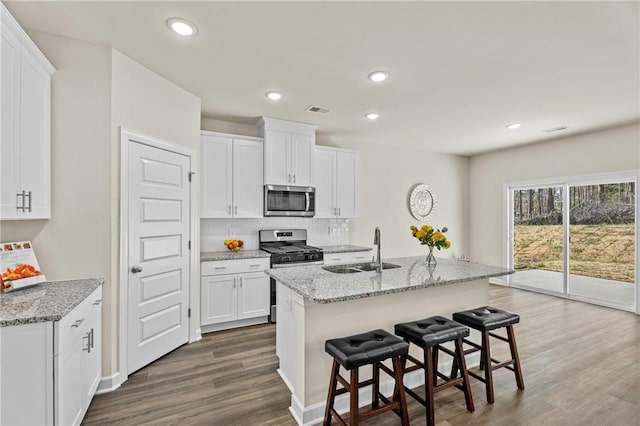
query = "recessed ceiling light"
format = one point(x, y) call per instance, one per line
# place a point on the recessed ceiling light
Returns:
point(513, 126)
point(274, 96)
point(378, 76)
point(372, 116)
point(182, 26)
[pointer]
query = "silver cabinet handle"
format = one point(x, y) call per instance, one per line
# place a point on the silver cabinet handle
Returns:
point(234, 282)
point(97, 302)
point(92, 337)
point(339, 211)
point(241, 280)
point(20, 206)
point(254, 266)
point(88, 337)
point(289, 178)
point(236, 211)
point(229, 209)
point(28, 196)
point(136, 269)
point(294, 178)
point(77, 323)
point(219, 267)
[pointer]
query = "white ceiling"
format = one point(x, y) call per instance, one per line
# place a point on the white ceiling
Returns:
point(460, 71)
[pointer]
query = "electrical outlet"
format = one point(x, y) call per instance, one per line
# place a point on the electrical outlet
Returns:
point(232, 232)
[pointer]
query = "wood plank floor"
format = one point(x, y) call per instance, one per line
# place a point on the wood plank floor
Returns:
point(581, 366)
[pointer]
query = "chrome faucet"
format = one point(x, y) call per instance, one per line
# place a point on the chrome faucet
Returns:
point(376, 241)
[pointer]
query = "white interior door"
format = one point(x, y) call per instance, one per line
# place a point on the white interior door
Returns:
point(159, 229)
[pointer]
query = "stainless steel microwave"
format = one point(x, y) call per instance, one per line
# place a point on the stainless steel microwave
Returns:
point(282, 200)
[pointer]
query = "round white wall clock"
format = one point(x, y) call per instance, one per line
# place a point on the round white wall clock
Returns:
point(422, 202)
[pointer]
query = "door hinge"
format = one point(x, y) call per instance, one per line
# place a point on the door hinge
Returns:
point(189, 244)
point(189, 313)
point(191, 175)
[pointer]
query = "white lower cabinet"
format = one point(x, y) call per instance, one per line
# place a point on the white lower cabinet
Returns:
point(51, 370)
point(234, 293)
point(77, 359)
point(347, 257)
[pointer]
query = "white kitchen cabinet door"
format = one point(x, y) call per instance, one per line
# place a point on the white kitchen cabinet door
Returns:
point(277, 158)
point(302, 165)
point(26, 372)
point(217, 177)
point(35, 133)
point(346, 193)
point(336, 183)
point(247, 178)
point(25, 191)
point(9, 146)
point(219, 297)
point(253, 295)
point(92, 358)
point(325, 175)
point(69, 393)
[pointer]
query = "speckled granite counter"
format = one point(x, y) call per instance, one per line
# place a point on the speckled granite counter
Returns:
point(48, 301)
point(343, 249)
point(232, 255)
point(319, 286)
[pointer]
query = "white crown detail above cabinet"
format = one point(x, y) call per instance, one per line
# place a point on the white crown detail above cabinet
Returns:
point(25, 147)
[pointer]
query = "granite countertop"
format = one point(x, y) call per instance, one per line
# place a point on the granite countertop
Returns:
point(343, 249)
point(207, 256)
point(48, 301)
point(316, 285)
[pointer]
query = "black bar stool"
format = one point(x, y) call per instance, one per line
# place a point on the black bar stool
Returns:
point(485, 319)
point(352, 352)
point(430, 334)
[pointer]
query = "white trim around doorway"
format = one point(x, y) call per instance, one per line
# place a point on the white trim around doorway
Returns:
point(194, 321)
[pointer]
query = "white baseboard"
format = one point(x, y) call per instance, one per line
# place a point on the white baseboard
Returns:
point(313, 414)
point(110, 383)
point(234, 324)
point(197, 335)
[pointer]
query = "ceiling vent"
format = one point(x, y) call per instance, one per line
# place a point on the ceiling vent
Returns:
point(555, 129)
point(317, 109)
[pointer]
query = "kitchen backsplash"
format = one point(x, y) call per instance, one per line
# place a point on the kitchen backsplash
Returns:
point(321, 232)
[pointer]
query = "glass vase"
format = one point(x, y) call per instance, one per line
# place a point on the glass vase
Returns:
point(431, 259)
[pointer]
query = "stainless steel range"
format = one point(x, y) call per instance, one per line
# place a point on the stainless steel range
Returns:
point(288, 247)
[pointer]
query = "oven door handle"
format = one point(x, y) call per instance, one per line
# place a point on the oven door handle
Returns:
point(290, 265)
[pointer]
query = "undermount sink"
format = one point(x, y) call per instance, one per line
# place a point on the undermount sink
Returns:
point(358, 267)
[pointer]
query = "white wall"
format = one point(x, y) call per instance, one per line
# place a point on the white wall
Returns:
point(610, 150)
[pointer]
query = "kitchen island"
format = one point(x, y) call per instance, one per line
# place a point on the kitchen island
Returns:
point(315, 305)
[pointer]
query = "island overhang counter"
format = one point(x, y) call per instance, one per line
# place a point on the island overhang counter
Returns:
point(314, 305)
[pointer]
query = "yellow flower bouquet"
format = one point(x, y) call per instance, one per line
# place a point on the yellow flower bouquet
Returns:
point(432, 238)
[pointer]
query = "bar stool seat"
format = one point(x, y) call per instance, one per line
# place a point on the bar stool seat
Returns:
point(370, 348)
point(486, 319)
point(429, 334)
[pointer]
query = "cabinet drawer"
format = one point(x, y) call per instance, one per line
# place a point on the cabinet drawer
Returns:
point(348, 257)
point(70, 327)
point(234, 266)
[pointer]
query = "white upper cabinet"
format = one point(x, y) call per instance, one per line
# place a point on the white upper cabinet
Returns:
point(336, 172)
point(25, 147)
point(231, 176)
point(288, 152)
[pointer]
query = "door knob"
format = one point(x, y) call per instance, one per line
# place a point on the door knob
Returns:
point(136, 269)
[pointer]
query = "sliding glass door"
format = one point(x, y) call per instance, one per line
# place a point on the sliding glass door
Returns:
point(576, 238)
point(538, 255)
point(602, 243)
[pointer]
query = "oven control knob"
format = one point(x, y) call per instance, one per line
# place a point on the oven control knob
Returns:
point(286, 259)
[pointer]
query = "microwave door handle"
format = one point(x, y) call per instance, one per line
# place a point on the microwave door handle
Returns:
point(308, 201)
